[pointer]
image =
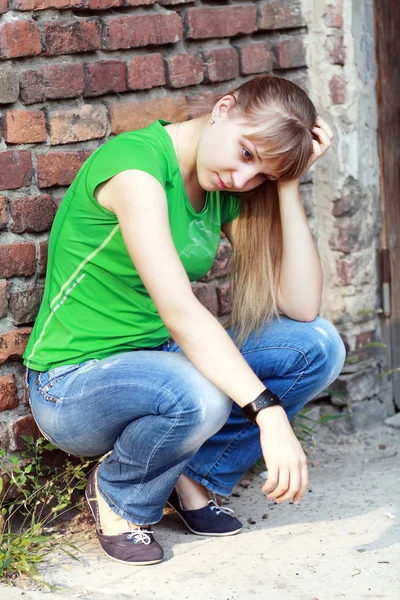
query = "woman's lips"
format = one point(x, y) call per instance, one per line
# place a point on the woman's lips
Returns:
point(221, 184)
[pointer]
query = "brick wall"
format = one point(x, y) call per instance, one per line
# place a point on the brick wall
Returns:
point(73, 73)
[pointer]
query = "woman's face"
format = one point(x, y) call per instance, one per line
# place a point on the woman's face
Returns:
point(226, 160)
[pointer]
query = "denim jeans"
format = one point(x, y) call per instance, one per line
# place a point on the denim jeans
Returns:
point(157, 416)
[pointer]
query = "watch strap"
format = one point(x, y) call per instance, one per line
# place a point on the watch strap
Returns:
point(264, 400)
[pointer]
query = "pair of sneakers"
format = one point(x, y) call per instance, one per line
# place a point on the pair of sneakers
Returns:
point(137, 546)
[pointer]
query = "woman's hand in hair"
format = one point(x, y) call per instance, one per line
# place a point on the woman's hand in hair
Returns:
point(322, 141)
point(283, 455)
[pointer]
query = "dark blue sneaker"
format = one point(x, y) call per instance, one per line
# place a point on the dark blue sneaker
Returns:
point(210, 520)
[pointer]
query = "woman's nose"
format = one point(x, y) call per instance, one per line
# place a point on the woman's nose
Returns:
point(242, 176)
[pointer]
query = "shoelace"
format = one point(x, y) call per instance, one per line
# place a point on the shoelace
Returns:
point(140, 535)
point(219, 509)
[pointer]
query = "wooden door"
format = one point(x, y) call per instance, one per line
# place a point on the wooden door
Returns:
point(387, 38)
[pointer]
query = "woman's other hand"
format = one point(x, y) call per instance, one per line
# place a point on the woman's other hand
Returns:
point(324, 136)
point(283, 455)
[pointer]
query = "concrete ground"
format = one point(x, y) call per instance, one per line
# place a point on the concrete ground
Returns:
point(342, 541)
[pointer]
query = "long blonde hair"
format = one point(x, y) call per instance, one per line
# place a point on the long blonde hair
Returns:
point(283, 116)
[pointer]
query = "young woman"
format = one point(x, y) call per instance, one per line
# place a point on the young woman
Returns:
point(123, 358)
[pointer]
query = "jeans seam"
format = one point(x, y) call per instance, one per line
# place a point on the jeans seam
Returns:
point(233, 441)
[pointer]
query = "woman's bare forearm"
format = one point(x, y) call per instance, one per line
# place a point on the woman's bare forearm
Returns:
point(208, 346)
point(300, 283)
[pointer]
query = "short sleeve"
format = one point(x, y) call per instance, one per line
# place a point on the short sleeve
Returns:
point(124, 152)
point(230, 208)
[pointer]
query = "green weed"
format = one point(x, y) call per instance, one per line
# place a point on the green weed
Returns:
point(33, 494)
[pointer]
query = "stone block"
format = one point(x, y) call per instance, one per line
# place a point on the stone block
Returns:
point(66, 36)
point(52, 82)
point(87, 122)
point(59, 168)
point(17, 260)
point(15, 169)
point(222, 64)
point(24, 305)
point(19, 38)
point(13, 343)
point(130, 116)
point(184, 69)
point(8, 392)
point(32, 214)
point(24, 127)
point(133, 31)
point(105, 77)
point(146, 72)
point(9, 86)
point(218, 22)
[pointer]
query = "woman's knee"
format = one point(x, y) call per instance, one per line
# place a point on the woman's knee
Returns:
point(328, 349)
point(199, 404)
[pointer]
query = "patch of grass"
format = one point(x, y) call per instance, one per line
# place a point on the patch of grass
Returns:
point(33, 494)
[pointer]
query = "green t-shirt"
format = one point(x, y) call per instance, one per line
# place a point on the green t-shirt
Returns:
point(95, 304)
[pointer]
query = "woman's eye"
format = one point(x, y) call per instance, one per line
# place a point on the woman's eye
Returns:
point(247, 155)
point(264, 177)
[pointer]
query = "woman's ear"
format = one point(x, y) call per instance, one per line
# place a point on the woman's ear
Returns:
point(223, 106)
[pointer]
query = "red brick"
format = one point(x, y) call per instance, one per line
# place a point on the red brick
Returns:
point(337, 86)
point(15, 169)
point(32, 214)
point(43, 252)
point(224, 21)
point(19, 38)
point(17, 260)
point(87, 122)
point(59, 168)
point(9, 86)
point(24, 305)
point(3, 6)
point(220, 266)
point(346, 269)
point(105, 77)
point(103, 4)
point(69, 36)
point(280, 14)
point(127, 117)
point(346, 238)
point(3, 298)
point(207, 296)
point(13, 343)
point(131, 31)
point(44, 4)
point(222, 64)
point(290, 53)
point(336, 49)
point(184, 69)
point(25, 127)
point(169, 2)
point(255, 57)
point(138, 2)
point(24, 426)
point(8, 392)
point(3, 212)
point(52, 82)
point(145, 72)
point(334, 14)
point(224, 306)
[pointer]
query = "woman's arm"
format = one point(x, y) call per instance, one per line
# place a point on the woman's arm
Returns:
point(140, 204)
point(300, 282)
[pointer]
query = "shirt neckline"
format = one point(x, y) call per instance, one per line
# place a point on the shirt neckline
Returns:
point(162, 124)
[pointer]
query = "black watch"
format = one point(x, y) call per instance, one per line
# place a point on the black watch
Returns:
point(264, 400)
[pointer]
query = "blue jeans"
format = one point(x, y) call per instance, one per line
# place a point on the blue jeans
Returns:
point(157, 416)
